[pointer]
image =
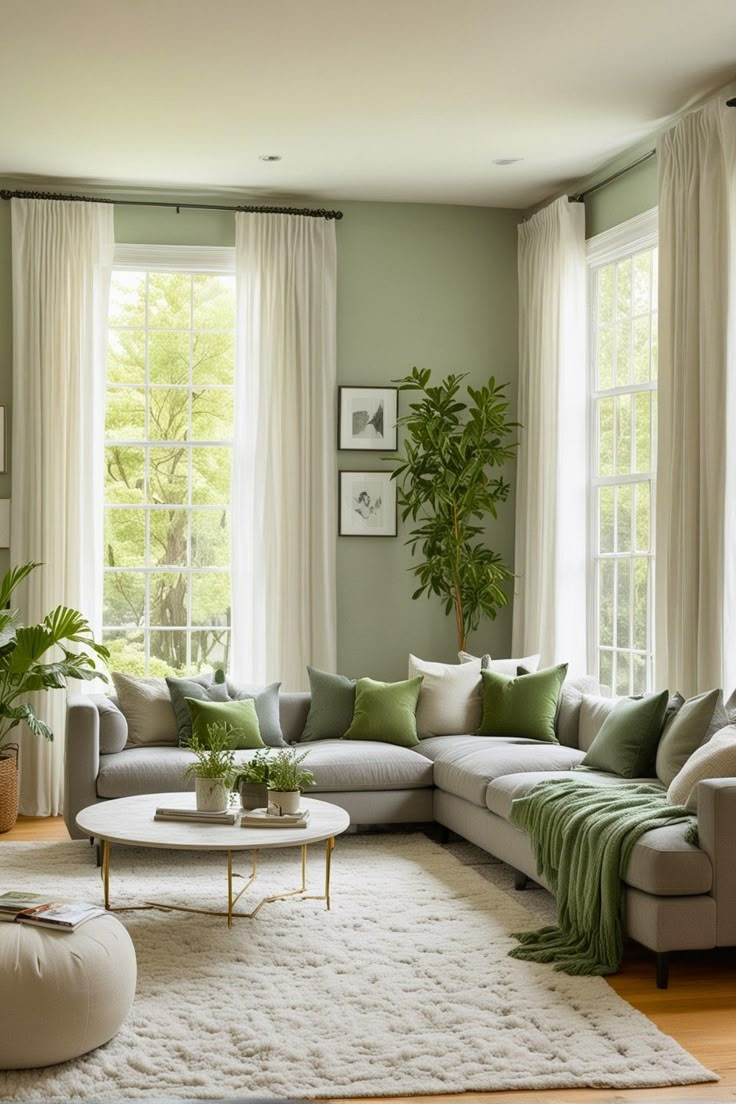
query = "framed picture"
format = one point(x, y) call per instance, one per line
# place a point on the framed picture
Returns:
point(367, 504)
point(366, 418)
point(3, 439)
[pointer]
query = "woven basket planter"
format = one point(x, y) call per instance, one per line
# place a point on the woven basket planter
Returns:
point(8, 789)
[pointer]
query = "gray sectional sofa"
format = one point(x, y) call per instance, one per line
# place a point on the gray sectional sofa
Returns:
point(677, 896)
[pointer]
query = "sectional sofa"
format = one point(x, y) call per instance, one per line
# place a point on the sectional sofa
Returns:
point(677, 896)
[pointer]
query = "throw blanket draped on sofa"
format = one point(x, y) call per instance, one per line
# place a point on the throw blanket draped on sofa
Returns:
point(583, 836)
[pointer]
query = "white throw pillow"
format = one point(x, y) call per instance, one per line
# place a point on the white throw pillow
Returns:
point(450, 701)
point(503, 666)
point(716, 759)
point(146, 706)
point(567, 724)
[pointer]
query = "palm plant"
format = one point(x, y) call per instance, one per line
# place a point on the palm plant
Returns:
point(25, 664)
point(446, 485)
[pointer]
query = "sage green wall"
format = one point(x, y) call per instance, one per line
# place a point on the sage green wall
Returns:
point(622, 199)
point(433, 286)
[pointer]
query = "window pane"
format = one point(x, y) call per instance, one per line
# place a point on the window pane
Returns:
point(168, 358)
point(211, 599)
point(606, 577)
point(210, 538)
point(642, 282)
point(168, 418)
point(640, 675)
point(124, 474)
point(655, 344)
point(168, 653)
point(169, 300)
point(211, 649)
point(604, 287)
point(623, 604)
point(169, 537)
point(125, 538)
point(212, 415)
point(605, 436)
point(167, 476)
point(623, 434)
point(127, 650)
point(623, 289)
point(123, 598)
point(127, 299)
point(605, 519)
point(210, 476)
point(214, 303)
point(605, 359)
point(643, 510)
point(169, 598)
point(642, 331)
point(126, 356)
point(623, 518)
point(125, 415)
point(643, 426)
point(641, 602)
point(213, 359)
point(605, 670)
point(623, 354)
point(623, 673)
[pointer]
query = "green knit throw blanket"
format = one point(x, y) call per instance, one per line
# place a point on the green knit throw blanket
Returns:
point(583, 836)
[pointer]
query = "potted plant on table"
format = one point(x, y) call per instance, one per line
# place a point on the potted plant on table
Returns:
point(213, 769)
point(252, 782)
point(26, 668)
point(286, 780)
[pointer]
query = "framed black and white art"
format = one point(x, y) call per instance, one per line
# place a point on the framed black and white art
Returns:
point(366, 418)
point(367, 506)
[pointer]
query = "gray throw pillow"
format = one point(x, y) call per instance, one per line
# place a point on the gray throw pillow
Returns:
point(195, 687)
point(113, 726)
point(693, 724)
point(331, 708)
point(146, 706)
point(266, 699)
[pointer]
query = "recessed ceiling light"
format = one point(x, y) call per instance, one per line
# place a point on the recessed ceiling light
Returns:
point(507, 160)
point(269, 157)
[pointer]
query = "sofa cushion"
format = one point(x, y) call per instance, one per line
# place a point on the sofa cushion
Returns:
point(464, 765)
point(336, 766)
point(567, 722)
point(661, 862)
point(385, 712)
point(450, 699)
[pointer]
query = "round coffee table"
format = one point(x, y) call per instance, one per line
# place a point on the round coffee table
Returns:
point(129, 821)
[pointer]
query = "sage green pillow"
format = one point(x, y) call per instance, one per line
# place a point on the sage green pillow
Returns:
point(331, 708)
point(241, 715)
point(696, 721)
point(202, 689)
point(525, 706)
point(627, 742)
point(386, 712)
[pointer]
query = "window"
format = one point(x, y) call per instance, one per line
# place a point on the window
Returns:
point(623, 359)
point(168, 451)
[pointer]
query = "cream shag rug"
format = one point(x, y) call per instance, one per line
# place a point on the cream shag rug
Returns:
point(405, 987)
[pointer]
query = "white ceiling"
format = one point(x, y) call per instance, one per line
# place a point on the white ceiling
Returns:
point(365, 99)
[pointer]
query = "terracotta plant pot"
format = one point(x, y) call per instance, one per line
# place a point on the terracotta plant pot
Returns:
point(8, 791)
point(287, 800)
point(213, 796)
point(253, 795)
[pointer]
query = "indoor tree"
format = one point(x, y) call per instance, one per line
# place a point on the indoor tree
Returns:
point(448, 485)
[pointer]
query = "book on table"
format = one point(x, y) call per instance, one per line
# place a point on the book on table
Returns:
point(195, 816)
point(261, 818)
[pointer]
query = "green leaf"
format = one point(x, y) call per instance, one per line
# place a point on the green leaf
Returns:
point(14, 577)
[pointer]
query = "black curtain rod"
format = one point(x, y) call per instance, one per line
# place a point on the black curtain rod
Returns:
point(579, 197)
point(307, 212)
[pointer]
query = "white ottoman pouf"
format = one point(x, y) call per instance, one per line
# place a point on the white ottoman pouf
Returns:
point(62, 993)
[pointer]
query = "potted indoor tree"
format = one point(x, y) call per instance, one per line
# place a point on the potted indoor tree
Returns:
point(286, 780)
point(447, 486)
point(252, 782)
point(213, 769)
point(35, 658)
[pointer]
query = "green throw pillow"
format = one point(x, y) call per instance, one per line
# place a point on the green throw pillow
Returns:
point(627, 742)
point(694, 722)
point(523, 707)
point(331, 708)
point(386, 712)
point(241, 715)
point(201, 688)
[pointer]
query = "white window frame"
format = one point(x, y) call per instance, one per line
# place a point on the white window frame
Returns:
point(191, 260)
point(622, 241)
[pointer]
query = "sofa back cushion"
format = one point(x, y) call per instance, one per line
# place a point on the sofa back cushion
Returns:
point(567, 723)
point(293, 712)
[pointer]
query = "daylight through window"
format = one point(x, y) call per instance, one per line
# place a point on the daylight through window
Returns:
point(168, 451)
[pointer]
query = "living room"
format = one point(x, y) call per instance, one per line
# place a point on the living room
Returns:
point(368, 697)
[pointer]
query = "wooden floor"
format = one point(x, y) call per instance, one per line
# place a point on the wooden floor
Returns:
point(698, 1009)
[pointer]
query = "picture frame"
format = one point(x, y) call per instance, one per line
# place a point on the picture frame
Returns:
point(367, 419)
point(367, 505)
point(3, 438)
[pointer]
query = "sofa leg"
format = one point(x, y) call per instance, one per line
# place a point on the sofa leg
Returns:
point(443, 834)
point(520, 880)
point(663, 969)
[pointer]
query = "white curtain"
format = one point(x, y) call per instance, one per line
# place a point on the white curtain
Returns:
point(284, 484)
point(62, 259)
point(695, 603)
point(551, 506)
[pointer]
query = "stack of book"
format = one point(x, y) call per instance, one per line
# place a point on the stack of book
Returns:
point(195, 816)
point(261, 818)
point(33, 908)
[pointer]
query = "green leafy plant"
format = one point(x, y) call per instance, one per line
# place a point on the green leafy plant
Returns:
point(285, 773)
point(215, 758)
point(39, 657)
point(255, 772)
point(447, 486)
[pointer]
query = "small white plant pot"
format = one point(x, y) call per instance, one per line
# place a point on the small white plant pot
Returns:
point(288, 801)
point(213, 796)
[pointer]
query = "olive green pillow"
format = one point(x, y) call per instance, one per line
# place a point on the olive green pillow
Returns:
point(693, 724)
point(240, 715)
point(386, 712)
point(522, 707)
point(627, 742)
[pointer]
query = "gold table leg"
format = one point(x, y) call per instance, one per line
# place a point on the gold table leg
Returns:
point(106, 872)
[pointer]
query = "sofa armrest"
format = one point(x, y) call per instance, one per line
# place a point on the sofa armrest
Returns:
point(81, 758)
point(716, 799)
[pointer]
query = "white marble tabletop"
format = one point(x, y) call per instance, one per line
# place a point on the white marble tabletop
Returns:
point(130, 820)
